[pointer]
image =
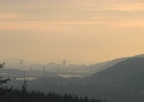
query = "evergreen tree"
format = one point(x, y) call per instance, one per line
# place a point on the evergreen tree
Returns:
point(4, 90)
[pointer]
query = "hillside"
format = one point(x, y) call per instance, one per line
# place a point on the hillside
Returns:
point(104, 65)
point(125, 79)
point(107, 64)
point(130, 70)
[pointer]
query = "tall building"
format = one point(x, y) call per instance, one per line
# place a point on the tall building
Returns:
point(63, 63)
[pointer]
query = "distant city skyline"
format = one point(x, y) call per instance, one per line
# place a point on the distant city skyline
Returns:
point(62, 62)
point(80, 31)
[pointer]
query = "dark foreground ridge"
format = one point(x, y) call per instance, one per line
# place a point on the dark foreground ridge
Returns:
point(7, 95)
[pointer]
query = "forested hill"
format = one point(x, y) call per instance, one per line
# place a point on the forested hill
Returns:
point(129, 71)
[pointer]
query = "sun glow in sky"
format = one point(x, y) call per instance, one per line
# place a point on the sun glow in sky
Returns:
point(83, 31)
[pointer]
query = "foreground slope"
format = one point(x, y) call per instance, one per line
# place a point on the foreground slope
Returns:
point(125, 80)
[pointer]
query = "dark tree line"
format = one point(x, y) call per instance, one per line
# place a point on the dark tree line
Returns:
point(8, 94)
point(19, 96)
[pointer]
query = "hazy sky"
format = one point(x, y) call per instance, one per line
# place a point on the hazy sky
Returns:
point(82, 31)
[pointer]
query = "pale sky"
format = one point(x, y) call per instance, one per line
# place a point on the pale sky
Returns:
point(81, 31)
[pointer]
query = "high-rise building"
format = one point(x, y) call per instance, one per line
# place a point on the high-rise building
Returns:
point(63, 63)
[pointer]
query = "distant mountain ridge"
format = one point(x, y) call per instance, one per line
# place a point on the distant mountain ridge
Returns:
point(125, 71)
point(104, 65)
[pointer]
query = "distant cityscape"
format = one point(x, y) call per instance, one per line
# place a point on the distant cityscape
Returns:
point(20, 69)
